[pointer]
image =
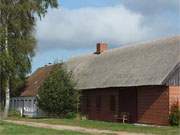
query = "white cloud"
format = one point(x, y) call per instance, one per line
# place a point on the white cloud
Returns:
point(131, 21)
point(82, 28)
point(161, 16)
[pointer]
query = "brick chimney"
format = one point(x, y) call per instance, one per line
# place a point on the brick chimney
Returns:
point(101, 47)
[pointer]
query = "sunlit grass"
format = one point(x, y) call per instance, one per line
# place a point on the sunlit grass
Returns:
point(108, 125)
point(13, 129)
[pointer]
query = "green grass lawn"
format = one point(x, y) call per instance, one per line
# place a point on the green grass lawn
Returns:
point(12, 129)
point(109, 126)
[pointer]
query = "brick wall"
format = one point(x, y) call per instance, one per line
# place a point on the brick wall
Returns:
point(125, 99)
point(94, 113)
point(128, 102)
point(153, 105)
point(174, 96)
point(150, 107)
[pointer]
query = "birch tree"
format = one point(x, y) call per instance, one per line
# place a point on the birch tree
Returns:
point(17, 40)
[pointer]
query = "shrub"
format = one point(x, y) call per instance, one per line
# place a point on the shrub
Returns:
point(14, 113)
point(58, 96)
point(174, 115)
point(71, 115)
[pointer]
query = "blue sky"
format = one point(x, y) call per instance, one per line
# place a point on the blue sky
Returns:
point(77, 25)
point(72, 4)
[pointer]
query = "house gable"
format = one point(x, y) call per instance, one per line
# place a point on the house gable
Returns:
point(173, 78)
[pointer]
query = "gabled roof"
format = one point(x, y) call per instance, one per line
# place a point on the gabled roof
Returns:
point(147, 63)
point(141, 64)
point(35, 81)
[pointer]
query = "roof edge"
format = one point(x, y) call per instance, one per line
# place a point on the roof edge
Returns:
point(163, 82)
point(150, 85)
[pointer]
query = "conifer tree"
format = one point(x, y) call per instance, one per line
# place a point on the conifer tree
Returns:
point(57, 95)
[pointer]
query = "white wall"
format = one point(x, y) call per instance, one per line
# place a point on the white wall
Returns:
point(28, 105)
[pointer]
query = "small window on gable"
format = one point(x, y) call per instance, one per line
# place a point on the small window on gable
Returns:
point(112, 103)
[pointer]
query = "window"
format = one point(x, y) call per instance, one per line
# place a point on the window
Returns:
point(98, 103)
point(112, 103)
point(18, 103)
point(22, 103)
point(34, 101)
point(30, 101)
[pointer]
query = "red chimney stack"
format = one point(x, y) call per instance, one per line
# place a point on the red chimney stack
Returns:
point(101, 47)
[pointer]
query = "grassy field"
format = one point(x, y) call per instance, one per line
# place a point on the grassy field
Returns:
point(12, 129)
point(109, 126)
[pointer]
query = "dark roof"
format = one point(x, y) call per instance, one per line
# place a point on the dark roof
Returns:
point(147, 63)
point(36, 80)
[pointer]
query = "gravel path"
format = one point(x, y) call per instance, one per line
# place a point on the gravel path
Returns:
point(71, 128)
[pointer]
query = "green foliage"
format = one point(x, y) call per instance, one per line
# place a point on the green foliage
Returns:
point(17, 39)
point(16, 85)
point(71, 115)
point(14, 113)
point(174, 117)
point(57, 96)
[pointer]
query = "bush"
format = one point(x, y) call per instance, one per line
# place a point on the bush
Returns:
point(71, 115)
point(58, 96)
point(14, 113)
point(174, 117)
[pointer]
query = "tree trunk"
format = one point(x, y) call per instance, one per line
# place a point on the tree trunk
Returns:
point(1, 100)
point(7, 90)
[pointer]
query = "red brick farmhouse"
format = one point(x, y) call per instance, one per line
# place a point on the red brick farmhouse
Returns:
point(141, 80)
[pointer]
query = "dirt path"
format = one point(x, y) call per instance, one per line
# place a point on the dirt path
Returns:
point(71, 128)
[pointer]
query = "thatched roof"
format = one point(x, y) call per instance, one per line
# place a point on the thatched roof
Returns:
point(147, 63)
point(35, 81)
